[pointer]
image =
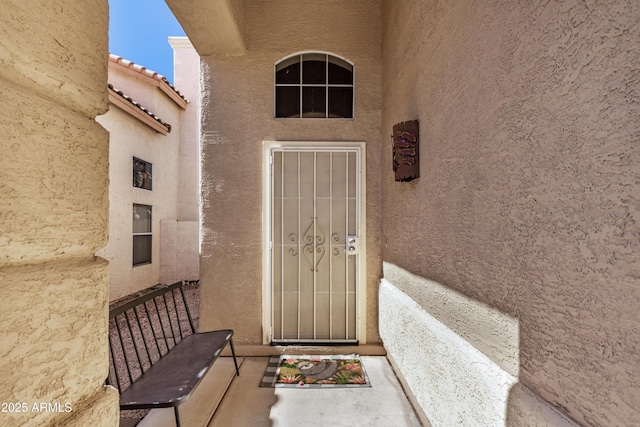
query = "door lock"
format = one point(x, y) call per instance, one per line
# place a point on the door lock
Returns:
point(353, 245)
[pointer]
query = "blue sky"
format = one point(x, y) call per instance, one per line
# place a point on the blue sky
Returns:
point(138, 31)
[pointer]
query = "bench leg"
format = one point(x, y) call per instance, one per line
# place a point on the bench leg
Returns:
point(175, 409)
point(233, 352)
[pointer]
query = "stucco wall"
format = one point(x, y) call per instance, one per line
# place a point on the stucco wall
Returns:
point(179, 251)
point(131, 138)
point(238, 116)
point(458, 358)
point(53, 214)
point(186, 64)
point(528, 195)
point(187, 228)
point(453, 382)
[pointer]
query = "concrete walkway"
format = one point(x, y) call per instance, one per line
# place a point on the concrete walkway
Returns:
point(248, 405)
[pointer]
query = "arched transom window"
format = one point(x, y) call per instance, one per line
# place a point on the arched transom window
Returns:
point(314, 85)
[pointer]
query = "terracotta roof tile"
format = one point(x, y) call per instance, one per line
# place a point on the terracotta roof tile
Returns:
point(161, 80)
point(167, 126)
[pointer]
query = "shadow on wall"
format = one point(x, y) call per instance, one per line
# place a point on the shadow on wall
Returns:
point(485, 328)
point(524, 409)
point(459, 358)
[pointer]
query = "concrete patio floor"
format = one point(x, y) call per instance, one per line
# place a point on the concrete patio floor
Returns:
point(247, 404)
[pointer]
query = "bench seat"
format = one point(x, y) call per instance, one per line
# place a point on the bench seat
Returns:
point(157, 358)
point(171, 380)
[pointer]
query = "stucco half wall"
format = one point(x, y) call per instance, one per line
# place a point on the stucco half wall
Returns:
point(458, 358)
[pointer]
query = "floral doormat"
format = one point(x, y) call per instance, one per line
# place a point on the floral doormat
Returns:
point(327, 371)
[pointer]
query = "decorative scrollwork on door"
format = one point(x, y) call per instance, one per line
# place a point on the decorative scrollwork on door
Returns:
point(314, 249)
point(335, 238)
point(293, 238)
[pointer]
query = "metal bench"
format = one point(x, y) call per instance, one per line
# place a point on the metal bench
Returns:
point(157, 358)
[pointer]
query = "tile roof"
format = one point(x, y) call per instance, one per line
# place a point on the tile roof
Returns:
point(161, 81)
point(163, 127)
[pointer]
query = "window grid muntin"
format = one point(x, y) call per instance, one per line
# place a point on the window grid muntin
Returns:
point(329, 58)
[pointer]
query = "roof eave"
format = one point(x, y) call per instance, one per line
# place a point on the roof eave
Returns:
point(138, 113)
point(151, 77)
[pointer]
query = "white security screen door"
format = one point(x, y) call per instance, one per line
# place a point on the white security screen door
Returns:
point(314, 244)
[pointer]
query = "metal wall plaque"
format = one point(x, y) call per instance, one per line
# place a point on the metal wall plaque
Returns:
point(406, 154)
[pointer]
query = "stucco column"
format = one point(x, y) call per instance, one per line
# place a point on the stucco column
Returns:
point(53, 214)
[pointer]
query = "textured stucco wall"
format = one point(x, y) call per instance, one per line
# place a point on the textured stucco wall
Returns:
point(457, 357)
point(186, 64)
point(453, 382)
point(528, 195)
point(214, 27)
point(179, 251)
point(187, 228)
point(53, 214)
point(490, 331)
point(238, 116)
point(131, 138)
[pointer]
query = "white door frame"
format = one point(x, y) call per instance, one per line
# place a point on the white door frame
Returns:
point(361, 289)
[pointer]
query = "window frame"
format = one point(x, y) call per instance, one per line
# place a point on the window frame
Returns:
point(138, 234)
point(326, 85)
point(148, 166)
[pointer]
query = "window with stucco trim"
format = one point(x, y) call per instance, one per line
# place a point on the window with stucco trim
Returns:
point(142, 237)
point(314, 85)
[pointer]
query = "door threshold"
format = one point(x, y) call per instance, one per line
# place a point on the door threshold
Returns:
point(267, 350)
point(314, 343)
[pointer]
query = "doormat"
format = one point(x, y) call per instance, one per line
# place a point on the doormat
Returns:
point(327, 371)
